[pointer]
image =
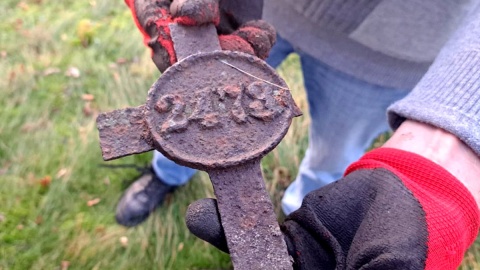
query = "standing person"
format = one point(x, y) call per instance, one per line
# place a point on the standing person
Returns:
point(412, 203)
point(409, 205)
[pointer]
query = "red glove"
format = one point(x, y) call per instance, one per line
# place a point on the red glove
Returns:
point(153, 16)
point(393, 210)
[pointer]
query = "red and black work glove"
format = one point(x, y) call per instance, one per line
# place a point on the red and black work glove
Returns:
point(152, 17)
point(392, 210)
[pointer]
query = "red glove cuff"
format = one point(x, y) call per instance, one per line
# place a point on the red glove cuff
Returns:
point(451, 213)
point(131, 6)
point(163, 38)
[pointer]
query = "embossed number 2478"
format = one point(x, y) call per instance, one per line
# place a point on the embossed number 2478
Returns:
point(262, 103)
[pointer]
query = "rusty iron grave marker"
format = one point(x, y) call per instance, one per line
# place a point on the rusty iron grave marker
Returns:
point(221, 112)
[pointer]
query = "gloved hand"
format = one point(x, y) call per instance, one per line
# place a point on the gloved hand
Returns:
point(393, 210)
point(152, 17)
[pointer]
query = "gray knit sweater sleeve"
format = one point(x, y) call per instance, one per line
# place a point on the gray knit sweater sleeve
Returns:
point(448, 96)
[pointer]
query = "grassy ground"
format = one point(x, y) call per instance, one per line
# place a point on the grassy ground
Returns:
point(61, 63)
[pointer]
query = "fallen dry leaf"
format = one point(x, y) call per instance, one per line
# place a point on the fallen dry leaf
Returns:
point(124, 241)
point(11, 77)
point(87, 109)
point(88, 97)
point(100, 230)
point(18, 24)
point(45, 181)
point(33, 126)
point(23, 5)
point(50, 71)
point(3, 54)
point(65, 265)
point(93, 202)
point(39, 220)
point(62, 172)
point(180, 246)
point(121, 61)
point(20, 227)
point(72, 72)
point(106, 181)
point(116, 77)
point(2, 217)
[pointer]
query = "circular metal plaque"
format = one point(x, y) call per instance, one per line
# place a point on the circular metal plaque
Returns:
point(218, 109)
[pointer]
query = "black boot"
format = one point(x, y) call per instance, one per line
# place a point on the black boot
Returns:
point(141, 198)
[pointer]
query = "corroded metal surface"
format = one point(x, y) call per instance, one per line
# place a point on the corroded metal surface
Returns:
point(194, 39)
point(248, 219)
point(206, 114)
point(220, 112)
point(123, 133)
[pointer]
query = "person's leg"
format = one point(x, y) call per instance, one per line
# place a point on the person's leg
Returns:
point(149, 191)
point(279, 52)
point(170, 172)
point(347, 114)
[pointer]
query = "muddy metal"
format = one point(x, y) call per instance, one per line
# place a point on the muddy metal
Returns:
point(219, 112)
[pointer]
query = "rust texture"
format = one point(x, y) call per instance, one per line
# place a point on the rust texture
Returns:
point(211, 116)
point(205, 114)
point(194, 39)
point(221, 112)
point(123, 133)
point(248, 218)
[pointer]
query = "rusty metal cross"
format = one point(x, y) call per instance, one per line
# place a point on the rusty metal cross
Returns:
point(221, 112)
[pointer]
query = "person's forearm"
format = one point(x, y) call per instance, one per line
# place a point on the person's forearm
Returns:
point(442, 148)
point(449, 93)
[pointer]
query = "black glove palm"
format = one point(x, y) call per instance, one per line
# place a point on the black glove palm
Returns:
point(393, 210)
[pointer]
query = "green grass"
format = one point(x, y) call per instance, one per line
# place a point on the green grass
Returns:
point(49, 152)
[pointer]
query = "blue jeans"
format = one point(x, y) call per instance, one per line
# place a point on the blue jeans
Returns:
point(347, 114)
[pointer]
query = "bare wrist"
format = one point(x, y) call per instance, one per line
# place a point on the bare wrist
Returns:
point(442, 148)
